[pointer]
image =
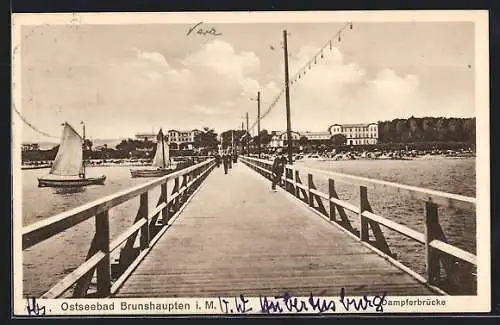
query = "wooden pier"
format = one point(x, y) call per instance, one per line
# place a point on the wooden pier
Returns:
point(226, 235)
point(238, 237)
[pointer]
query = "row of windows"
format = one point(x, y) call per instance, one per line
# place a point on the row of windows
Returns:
point(356, 129)
point(362, 141)
point(180, 135)
point(182, 139)
point(361, 135)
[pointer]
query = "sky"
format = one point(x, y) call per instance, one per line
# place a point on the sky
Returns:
point(125, 79)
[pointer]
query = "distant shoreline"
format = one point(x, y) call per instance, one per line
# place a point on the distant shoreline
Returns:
point(429, 157)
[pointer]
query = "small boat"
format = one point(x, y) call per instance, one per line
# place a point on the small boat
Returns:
point(25, 167)
point(68, 169)
point(161, 161)
point(312, 157)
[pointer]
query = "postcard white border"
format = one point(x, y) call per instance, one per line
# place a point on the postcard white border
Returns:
point(479, 303)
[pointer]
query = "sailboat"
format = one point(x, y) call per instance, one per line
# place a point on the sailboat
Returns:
point(161, 161)
point(68, 169)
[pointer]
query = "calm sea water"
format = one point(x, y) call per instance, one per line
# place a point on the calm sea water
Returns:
point(46, 263)
point(457, 176)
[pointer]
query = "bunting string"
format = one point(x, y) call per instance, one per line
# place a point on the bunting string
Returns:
point(34, 128)
point(337, 37)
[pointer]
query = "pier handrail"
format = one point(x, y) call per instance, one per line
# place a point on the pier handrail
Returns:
point(148, 224)
point(449, 200)
point(437, 249)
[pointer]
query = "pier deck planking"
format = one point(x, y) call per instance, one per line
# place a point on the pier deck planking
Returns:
point(237, 237)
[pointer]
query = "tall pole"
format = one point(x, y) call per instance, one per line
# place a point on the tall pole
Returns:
point(287, 101)
point(246, 137)
point(242, 144)
point(84, 144)
point(162, 148)
point(258, 123)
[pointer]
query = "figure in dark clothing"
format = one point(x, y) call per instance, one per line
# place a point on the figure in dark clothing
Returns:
point(235, 157)
point(278, 169)
point(225, 162)
point(218, 159)
point(230, 160)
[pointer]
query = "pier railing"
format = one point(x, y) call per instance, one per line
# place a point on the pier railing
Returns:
point(148, 225)
point(449, 269)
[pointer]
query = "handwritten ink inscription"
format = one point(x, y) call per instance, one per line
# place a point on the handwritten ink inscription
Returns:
point(287, 303)
point(240, 304)
point(200, 30)
point(34, 308)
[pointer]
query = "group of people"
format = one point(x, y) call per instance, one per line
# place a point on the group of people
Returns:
point(227, 159)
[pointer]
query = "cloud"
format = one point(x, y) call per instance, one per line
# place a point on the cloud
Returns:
point(153, 57)
point(387, 81)
point(336, 91)
point(389, 95)
point(220, 57)
point(210, 86)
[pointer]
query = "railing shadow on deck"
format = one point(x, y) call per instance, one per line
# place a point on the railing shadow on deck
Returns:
point(448, 269)
point(148, 225)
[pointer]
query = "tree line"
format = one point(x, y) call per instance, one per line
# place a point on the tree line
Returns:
point(427, 129)
point(426, 132)
point(127, 148)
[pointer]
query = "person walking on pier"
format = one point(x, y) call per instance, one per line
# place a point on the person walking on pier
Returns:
point(278, 169)
point(225, 161)
point(218, 159)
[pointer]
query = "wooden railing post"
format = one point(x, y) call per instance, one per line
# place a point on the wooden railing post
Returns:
point(295, 182)
point(165, 213)
point(175, 190)
point(431, 232)
point(309, 187)
point(143, 211)
point(363, 221)
point(103, 268)
point(331, 191)
point(184, 194)
point(291, 185)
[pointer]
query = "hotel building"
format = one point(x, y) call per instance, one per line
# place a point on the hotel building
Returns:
point(356, 134)
point(182, 136)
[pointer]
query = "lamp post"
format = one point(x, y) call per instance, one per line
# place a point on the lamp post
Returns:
point(246, 137)
point(287, 101)
point(258, 122)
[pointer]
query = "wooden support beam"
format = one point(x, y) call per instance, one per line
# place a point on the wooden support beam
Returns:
point(317, 195)
point(363, 221)
point(344, 219)
point(331, 191)
point(82, 285)
point(380, 241)
point(104, 266)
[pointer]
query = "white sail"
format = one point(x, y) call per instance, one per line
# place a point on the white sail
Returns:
point(69, 158)
point(161, 158)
